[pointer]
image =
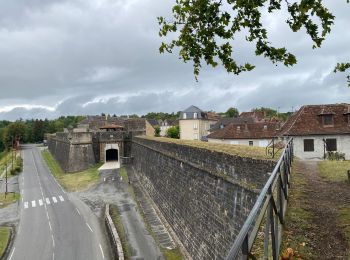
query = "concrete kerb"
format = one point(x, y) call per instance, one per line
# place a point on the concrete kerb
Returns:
point(113, 235)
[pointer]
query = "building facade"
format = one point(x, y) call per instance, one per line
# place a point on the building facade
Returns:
point(195, 123)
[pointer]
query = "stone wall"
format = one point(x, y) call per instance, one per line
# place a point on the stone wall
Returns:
point(71, 154)
point(205, 196)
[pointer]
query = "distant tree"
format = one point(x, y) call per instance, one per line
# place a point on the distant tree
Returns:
point(232, 112)
point(133, 116)
point(204, 31)
point(157, 131)
point(269, 112)
point(173, 132)
point(12, 131)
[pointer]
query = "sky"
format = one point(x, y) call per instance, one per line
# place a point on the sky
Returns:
point(87, 57)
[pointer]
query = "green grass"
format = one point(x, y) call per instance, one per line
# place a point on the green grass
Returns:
point(124, 174)
point(4, 239)
point(239, 150)
point(72, 181)
point(10, 198)
point(115, 215)
point(344, 219)
point(334, 171)
point(298, 218)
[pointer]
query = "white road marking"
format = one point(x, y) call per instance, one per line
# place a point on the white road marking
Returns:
point(50, 225)
point(113, 179)
point(47, 214)
point(61, 198)
point(12, 253)
point(47, 201)
point(78, 211)
point(26, 204)
point(53, 255)
point(54, 199)
point(53, 241)
point(89, 227)
point(103, 256)
point(41, 202)
point(33, 203)
point(104, 179)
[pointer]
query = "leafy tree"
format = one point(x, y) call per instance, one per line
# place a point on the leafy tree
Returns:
point(12, 131)
point(173, 132)
point(205, 30)
point(157, 131)
point(343, 67)
point(232, 112)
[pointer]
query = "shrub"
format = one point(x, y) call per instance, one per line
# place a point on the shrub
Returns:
point(335, 156)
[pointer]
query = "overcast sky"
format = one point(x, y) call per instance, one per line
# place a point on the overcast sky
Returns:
point(69, 57)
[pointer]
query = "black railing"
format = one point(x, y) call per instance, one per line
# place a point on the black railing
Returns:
point(267, 214)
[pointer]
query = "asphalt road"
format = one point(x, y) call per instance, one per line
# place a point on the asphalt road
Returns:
point(53, 224)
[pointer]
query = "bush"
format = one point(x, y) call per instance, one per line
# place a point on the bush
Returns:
point(157, 131)
point(335, 156)
point(173, 132)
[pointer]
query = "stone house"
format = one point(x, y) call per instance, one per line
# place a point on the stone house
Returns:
point(195, 123)
point(245, 131)
point(318, 129)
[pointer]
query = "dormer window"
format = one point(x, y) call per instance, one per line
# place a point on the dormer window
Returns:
point(195, 115)
point(265, 127)
point(328, 120)
point(238, 128)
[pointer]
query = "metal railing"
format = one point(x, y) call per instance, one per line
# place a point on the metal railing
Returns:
point(268, 213)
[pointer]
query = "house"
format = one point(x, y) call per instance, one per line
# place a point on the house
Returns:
point(318, 129)
point(195, 123)
point(225, 121)
point(166, 124)
point(247, 132)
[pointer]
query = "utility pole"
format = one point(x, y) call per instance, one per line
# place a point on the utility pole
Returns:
point(12, 155)
point(6, 180)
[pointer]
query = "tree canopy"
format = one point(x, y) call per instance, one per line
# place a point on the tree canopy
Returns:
point(205, 30)
point(232, 112)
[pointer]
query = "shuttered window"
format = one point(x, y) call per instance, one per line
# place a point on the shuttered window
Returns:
point(309, 145)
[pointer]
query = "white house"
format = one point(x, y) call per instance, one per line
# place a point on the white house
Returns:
point(318, 129)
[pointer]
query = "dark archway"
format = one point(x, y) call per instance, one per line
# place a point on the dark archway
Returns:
point(111, 155)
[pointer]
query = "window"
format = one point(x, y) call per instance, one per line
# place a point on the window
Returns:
point(328, 120)
point(195, 125)
point(251, 143)
point(238, 128)
point(184, 116)
point(195, 115)
point(265, 127)
point(331, 145)
point(309, 145)
point(195, 136)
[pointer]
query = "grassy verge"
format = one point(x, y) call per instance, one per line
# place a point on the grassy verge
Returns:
point(344, 220)
point(239, 150)
point(298, 219)
point(115, 215)
point(72, 181)
point(10, 198)
point(4, 239)
point(334, 171)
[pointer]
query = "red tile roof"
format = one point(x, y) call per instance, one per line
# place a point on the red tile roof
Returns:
point(257, 115)
point(308, 120)
point(256, 130)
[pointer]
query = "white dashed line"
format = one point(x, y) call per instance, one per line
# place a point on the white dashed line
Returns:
point(33, 204)
point(103, 256)
point(26, 204)
point(12, 253)
point(78, 211)
point(53, 241)
point(50, 225)
point(89, 227)
point(47, 201)
point(61, 198)
point(41, 202)
point(54, 199)
point(104, 179)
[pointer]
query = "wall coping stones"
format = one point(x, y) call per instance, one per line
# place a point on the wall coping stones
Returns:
point(112, 231)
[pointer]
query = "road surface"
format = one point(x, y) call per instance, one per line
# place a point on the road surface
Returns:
point(53, 224)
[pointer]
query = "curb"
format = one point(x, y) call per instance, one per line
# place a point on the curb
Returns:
point(113, 235)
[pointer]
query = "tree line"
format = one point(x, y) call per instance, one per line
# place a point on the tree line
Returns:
point(33, 130)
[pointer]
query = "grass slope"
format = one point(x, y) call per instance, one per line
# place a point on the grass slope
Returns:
point(4, 239)
point(72, 181)
point(334, 171)
point(239, 150)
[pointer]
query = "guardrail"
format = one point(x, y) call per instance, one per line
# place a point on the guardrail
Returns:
point(268, 213)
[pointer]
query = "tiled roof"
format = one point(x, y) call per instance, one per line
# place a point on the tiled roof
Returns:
point(259, 115)
point(256, 130)
point(225, 121)
point(308, 120)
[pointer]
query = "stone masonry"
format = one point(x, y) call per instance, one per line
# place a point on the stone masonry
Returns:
point(205, 196)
